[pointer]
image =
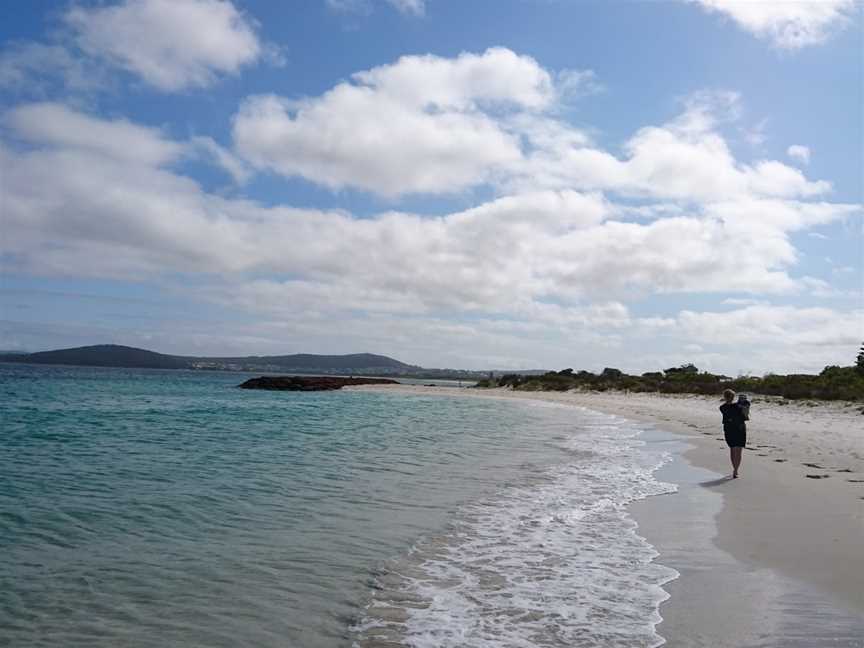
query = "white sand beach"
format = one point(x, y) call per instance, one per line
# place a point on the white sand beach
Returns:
point(785, 538)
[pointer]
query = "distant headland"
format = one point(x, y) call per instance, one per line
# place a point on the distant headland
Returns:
point(115, 355)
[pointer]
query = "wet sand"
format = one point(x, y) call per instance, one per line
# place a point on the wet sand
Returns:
point(773, 558)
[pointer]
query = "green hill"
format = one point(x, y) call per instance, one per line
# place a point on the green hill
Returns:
point(114, 355)
point(104, 355)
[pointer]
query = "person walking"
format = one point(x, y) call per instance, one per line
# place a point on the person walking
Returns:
point(734, 428)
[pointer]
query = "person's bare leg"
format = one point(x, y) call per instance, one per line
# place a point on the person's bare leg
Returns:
point(735, 454)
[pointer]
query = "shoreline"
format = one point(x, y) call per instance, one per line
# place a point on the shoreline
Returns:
point(779, 543)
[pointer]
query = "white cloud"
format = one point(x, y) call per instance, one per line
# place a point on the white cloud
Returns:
point(759, 218)
point(575, 84)
point(104, 183)
point(207, 148)
point(788, 24)
point(56, 125)
point(417, 126)
point(776, 326)
point(364, 7)
point(349, 6)
point(414, 7)
point(684, 159)
point(171, 44)
point(799, 152)
point(734, 301)
point(756, 338)
point(433, 125)
point(36, 68)
point(547, 263)
point(731, 341)
point(352, 139)
point(78, 206)
point(755, 135)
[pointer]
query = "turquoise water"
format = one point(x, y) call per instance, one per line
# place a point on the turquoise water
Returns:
point(165, 508)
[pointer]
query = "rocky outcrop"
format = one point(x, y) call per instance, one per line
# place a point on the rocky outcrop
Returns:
point(310, 383)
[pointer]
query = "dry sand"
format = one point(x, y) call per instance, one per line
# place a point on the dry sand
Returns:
point(783, 544)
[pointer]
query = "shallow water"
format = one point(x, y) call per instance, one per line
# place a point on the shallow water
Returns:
point(164, 508)
point(720, 601)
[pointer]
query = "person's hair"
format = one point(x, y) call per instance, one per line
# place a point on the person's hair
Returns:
point(728, 394)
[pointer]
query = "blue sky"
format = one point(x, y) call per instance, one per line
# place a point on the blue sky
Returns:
point(517, 184)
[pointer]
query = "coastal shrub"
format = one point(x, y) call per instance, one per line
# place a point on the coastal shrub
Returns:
point(846, 382)
point(689, 368)
point(833, 383)
point(510, 380)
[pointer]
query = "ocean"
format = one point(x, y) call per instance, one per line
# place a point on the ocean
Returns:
point(168, 508)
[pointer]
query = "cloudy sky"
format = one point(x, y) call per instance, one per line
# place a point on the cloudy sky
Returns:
point(507, 184)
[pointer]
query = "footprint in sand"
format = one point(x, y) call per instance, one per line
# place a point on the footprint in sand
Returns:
point(780, 460)
point(813, 465)
point(856, 481)
point(844, 470)
point(817, 476)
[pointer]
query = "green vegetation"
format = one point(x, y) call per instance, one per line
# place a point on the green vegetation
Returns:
point(859, 361)
point(833, 383)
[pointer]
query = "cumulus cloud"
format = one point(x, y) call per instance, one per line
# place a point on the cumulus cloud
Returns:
point(171, 44)
point(55, 126)
point(426, 124)
point(799, 152)
point(75, 196)
point(416, 126)
point(569, 233)
point(352, 139)
point(755, 337)
point(787, 24)
point(684, 159)
point(58, 126)
point(773, 326)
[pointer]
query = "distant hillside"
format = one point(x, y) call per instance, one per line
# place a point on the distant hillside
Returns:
point(103, 355)
point(113, 355)
point(310, 362)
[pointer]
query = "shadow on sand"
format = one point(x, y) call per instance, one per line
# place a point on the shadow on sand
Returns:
point(716, 482)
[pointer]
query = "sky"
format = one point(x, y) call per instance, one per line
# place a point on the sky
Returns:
point(516, 184)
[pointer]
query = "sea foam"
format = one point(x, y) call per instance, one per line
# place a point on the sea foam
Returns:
point(553, 560)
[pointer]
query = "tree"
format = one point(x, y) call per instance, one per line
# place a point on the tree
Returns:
point(859, 361)
point(688, 368)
